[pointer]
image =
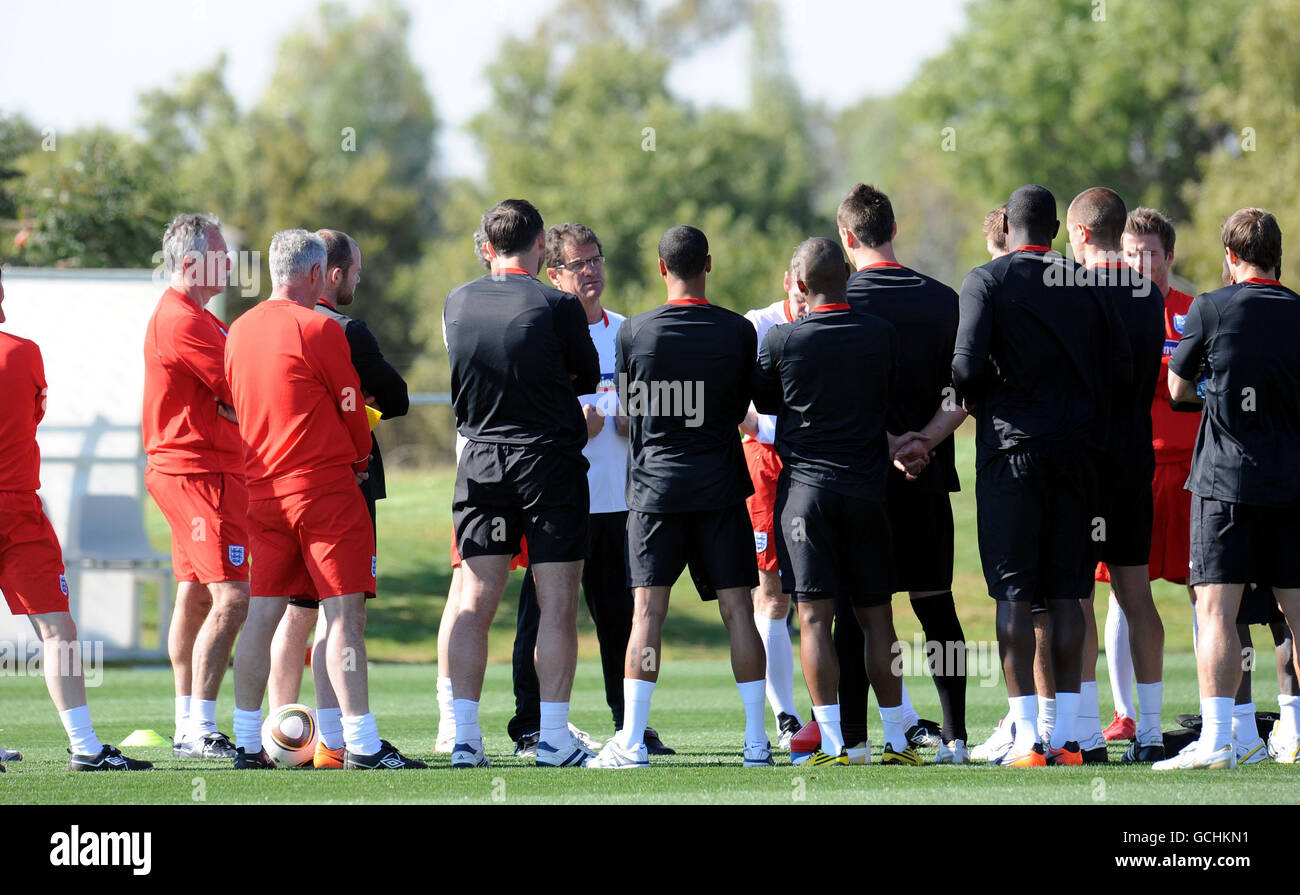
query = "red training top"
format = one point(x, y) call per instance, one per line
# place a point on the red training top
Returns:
point(1173, 432)
point(301, 413)
point(184, 378)
point(22, 405)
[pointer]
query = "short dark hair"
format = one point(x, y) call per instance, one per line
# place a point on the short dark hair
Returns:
point(1103, 212)
point(995, 227)
point(1254, 237)
point(338, 249)
point(568, 234)
point(1143, 221)
point(512, 225)
point(1032, 208)
point(819, 262)
point(867, 213)
point(684, 250)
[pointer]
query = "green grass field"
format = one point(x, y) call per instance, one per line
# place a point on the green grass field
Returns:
point(696, 709)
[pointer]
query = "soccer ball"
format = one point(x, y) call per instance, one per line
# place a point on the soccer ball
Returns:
point(289, 736)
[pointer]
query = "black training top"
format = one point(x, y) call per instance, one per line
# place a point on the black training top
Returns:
point(683, 376)
point(1141, 308)
point(520, 355)
point(1248, 446)
point(924, 313)
point(829, 378)
point(1037, 354)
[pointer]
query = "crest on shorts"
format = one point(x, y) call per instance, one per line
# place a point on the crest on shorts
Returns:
point(63, 584)
point(236, 555)
point(760, 541)
point(374, 567)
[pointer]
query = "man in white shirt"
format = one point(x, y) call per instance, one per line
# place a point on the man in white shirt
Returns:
point(771, 605)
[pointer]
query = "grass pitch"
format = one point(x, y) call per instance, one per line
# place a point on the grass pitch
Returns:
point(697, 710)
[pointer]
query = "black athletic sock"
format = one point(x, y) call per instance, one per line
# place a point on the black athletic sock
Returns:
point(938, 618)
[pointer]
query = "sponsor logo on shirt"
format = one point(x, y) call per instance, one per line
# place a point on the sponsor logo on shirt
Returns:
point(1170, 345)
point(1180, 320)
point(760, 541)
point(236, 554)
point(606, 383)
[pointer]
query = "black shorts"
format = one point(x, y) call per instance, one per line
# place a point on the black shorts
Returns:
point(832, 544)
point(1259, 607)
point(1034, 518)
point(921, 524)
point(1126, 510)
point(718, 545)
point(505, 492)
point(1234, 543)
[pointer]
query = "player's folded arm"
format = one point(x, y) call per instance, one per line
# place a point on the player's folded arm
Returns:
point(203, 357)
point(766, 378)
point(1188, 359)
point(580, 357)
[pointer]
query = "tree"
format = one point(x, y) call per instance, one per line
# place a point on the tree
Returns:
point(1259, 164)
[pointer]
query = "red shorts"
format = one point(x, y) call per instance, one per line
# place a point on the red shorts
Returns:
point(208, 516)
point(1171, 524)
point(519, 561)
point(31, 560)
point(315, 544)
point(764, 469)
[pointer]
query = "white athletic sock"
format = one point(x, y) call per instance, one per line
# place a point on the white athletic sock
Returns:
point(1244, 728)
point(81, 733)
point(752, 697)
point(203, 717)
point(1087, 729)
point(910, 717)
point(467, 729)
point(555, 724)
point(182, 717)
point(248, 730)
point(1046, 719)
point(1216, 722)
point(1067, 713)
point(892, 720)
point(828, 722)
point(780, 663)
point(330, 722)
point(1288, 711)
point(1119, 659)
point(446, 714)
point(1150, 704)
point(1023, 713)
point(636, 711)
point(361, 734)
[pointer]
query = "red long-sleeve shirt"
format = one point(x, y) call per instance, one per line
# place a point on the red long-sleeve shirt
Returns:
point(22, 405)
point(184, 378)
point(301, 413)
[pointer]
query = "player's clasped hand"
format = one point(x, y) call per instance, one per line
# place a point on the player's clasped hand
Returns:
point(225, 411)
point(362, 476)
point(911, 453)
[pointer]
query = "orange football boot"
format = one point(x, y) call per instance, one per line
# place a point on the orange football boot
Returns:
point(1067, 755)
point(327, 758)
point(1034, 758)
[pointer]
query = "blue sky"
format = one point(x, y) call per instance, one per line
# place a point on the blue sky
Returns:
point(67, 63)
